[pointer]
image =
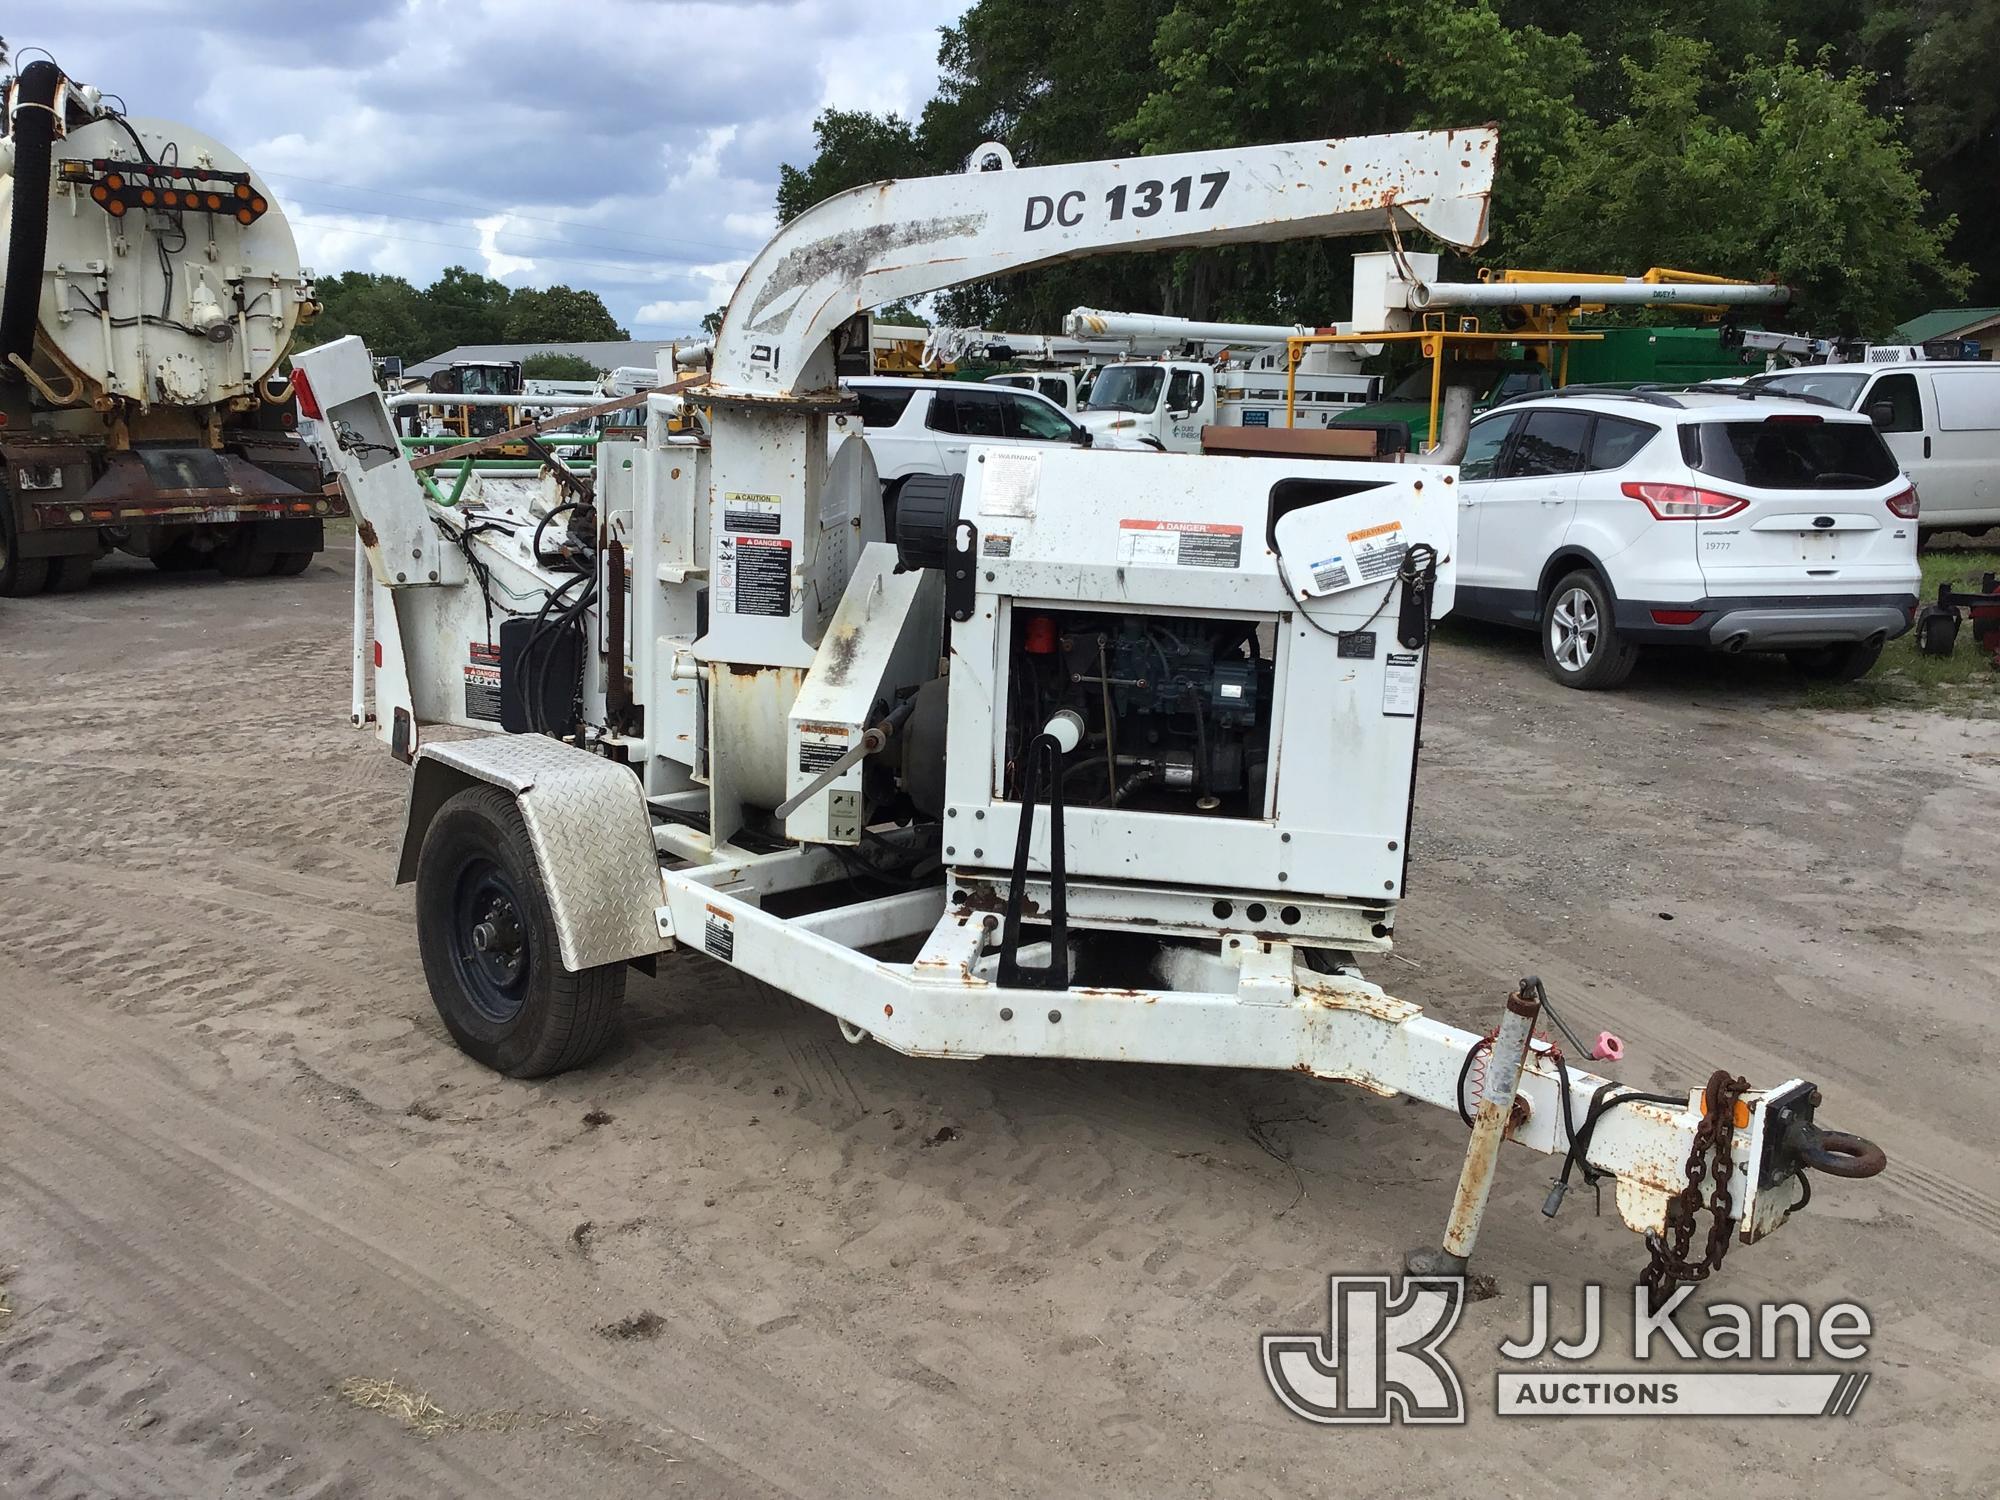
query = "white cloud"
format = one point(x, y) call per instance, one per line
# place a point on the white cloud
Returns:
point(498, 262)
point(628, 146)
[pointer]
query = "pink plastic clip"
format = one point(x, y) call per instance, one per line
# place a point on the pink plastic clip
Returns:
point(1608, 1048)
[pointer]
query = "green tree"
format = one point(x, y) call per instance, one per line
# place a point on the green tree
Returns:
point(1953, 105)
point(466, 308)
point(851, 147)
point(386, 312)
point(550, 365)
point(559, 314)
point(1813, 190)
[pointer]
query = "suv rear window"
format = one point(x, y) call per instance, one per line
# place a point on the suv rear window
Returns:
point(1790, 453)
point(882, 406)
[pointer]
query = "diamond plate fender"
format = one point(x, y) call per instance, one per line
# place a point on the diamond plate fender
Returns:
point(587, 820)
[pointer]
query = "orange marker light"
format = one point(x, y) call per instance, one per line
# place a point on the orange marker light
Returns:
point(242, 189)
point(116, 208)
point(214, 200)
point(114, 182)
point(146, 197)
point(172, 198)
point(99, 193)
point(258, 204)
point(244, 216)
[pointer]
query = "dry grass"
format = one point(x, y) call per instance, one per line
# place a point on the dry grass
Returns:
point(6, 1304)
point(423, 1416)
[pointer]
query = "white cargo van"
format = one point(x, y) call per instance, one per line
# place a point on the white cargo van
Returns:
point(1940, 418)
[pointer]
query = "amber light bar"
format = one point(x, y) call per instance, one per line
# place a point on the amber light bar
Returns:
point(119, 187)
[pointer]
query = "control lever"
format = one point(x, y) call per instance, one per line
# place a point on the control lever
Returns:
point(873, 739)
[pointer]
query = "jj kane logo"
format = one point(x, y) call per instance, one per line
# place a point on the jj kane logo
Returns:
point(1381, 1358)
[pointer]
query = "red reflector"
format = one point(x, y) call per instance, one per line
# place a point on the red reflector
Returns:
point(1040, 638)
point(302, 388)
point(378, 653)
point(1676, 616)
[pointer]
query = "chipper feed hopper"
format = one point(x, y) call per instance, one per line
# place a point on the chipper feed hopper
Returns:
point(1094, 754)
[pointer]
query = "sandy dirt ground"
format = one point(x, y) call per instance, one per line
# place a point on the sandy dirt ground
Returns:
point(244, 1178)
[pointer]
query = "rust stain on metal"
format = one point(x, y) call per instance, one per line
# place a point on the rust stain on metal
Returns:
point(1106, 993)
point(1367, 1002)
point(846, 256)
point(1481, 1156)
point(365, 529)
point(841, 661)
point(1366, 1082)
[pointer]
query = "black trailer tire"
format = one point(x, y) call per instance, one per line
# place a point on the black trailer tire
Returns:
point(1844, 663)
point(238, 557)
point(291, 564)
point(180, 556)
point(20, 577)
point(489, 946)
point(69, 575)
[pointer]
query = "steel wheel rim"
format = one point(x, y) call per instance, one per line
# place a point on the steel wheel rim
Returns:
point(1575, 627)
point(490, 947)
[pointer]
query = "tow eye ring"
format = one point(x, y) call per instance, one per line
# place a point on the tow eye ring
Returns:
point(1833, 1152)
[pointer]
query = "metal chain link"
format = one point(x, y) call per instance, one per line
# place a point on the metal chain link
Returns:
point(1669, 1265)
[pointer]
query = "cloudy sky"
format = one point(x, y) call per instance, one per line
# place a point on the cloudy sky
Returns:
point(630, 146)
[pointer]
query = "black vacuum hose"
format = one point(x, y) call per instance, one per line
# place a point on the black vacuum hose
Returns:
point(28, 232)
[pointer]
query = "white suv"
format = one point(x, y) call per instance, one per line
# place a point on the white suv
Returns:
point(925, 426)
point(1730, 519)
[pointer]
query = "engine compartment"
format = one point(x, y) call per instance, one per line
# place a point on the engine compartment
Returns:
point(1177, 709)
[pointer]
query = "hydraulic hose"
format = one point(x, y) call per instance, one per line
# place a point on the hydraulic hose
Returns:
point(28, 230)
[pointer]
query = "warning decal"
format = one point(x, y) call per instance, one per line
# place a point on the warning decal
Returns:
point(820, 745)
point(1179, 544)
point(996, 546)
point(1013, 481)
point(752, 513)
point(718, 934)
point(753, 575)
point(1378, 550)
point(482, 682)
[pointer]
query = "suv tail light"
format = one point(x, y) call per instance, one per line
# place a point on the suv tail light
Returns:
point(1904, 503)
point(1683, 502)
point(302, 388)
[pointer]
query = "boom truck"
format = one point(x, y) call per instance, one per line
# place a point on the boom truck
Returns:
point(1099, 754)
point(151, 288)
point(1169, 400)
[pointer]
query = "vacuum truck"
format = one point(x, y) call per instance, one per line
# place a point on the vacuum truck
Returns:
point(151, 288)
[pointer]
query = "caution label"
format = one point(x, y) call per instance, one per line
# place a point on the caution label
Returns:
point(1378, 550)
point(718, 934)
point(482, 682)
point(753, 575)
point(1179, 544)
point(755, 514)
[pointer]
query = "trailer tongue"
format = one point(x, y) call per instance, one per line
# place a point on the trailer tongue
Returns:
point(1093, 754)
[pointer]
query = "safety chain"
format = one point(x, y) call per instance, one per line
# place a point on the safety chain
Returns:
point(1670, 1266)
